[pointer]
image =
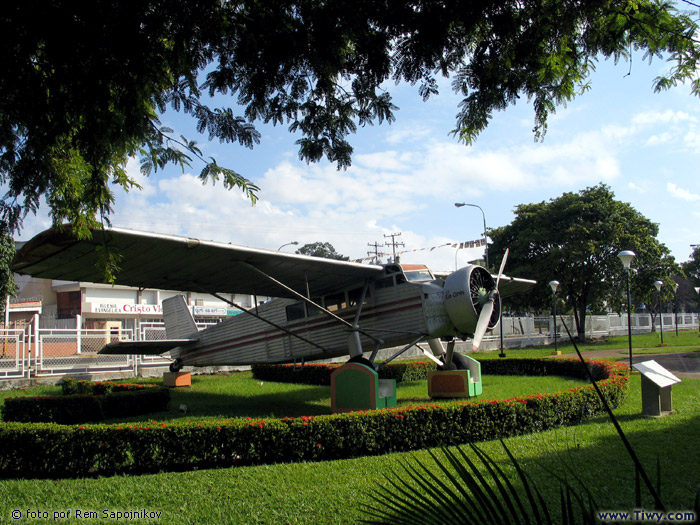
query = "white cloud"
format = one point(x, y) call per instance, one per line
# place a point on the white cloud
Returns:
point(404, 134)
point(662, 117)
point(681, 193)
point(639, 187)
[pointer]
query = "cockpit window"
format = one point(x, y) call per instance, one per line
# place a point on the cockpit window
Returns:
point(418, 275)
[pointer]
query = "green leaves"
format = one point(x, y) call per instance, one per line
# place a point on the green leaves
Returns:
point(81, 97)
point(575, 239)
point(466, 490)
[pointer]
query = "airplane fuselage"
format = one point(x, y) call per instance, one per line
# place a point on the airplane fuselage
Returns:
point(393, 311)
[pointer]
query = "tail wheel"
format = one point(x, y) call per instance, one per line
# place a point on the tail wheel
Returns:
point(176, 365)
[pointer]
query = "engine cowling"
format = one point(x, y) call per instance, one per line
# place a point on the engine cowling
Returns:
point(466, 291)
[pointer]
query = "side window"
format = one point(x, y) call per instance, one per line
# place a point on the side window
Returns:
point(335, 302)
point(295, 311)
point(354, 296)
point(386, 282)
point(312, 311)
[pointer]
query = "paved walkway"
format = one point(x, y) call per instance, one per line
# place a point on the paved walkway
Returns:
point(681, 363)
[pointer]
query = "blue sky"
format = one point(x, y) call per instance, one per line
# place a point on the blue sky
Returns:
point(407, 176)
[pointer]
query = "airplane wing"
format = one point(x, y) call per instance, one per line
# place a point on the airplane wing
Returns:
point(169, 262)
point(514, 285)
point(143, 347)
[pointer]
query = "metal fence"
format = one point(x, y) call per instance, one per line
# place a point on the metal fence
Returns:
point(535, 330)
point(13, 356)
point(43, 352)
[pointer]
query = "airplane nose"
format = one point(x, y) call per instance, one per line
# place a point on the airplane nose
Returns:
point(467, 292)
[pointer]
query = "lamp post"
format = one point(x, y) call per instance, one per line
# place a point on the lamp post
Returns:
point(658, 285)
point(697, 291)
point(626, 259)
point(553, 285)
point(486, 244)
point(288, 244)
point(675, 305)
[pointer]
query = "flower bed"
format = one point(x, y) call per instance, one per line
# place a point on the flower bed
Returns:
point(50, 450)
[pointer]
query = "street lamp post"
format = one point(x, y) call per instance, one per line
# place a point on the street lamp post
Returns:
point(658, 285)
point(288, 244)
point(626, 259)
point(553, 285)
point(486, 244)
point(675, 305)
point(697, 291)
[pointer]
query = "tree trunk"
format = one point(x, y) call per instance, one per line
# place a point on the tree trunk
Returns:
point(580, 318)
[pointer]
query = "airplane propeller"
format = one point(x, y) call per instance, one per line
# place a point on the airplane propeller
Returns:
point(482, 323)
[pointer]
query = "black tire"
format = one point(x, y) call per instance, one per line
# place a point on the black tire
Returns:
point(459, 362)
point(176, 366)
point(361, 360)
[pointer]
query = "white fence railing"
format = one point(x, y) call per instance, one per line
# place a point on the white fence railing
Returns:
point(40, 352)
point(533, 330)
point(13, 354)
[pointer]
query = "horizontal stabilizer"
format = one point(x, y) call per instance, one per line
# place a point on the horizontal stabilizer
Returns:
point(144, 347)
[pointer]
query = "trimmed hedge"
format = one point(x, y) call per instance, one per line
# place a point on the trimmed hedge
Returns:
point(99, 388)
point(320, 374)
point(50, 450)
point(108, 400)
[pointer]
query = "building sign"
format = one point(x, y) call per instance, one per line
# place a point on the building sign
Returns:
point(210, 310)
point(116, 308)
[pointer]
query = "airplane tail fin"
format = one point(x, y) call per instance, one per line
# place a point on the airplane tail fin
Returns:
point(179, 323)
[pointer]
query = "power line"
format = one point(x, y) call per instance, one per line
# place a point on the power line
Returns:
point(376, 253)
point(393, 244)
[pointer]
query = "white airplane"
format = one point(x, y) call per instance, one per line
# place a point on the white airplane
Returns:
point(323, 308)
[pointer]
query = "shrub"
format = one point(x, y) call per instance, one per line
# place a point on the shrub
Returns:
point(73, 386)
point(320, 374)
point(50, 450)
point(77, 408)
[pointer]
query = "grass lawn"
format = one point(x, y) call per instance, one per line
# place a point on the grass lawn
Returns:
point(649, 343)
point(331, 492)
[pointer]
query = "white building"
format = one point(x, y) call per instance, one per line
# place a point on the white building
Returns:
point(62, 304)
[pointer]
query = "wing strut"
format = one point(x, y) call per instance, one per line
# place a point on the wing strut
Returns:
point(354, 328)
point(404, 349)
point(275, 325)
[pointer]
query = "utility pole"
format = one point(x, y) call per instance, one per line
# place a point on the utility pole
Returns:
point(393, 244)
point(376, 253)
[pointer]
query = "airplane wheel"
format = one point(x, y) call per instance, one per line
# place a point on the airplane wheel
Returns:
point(362, 360)
point(459, 362)
point(176, 366)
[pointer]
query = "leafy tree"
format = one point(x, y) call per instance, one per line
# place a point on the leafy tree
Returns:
point(321, 249)
point(7, 283)
point(692, 266)
point(575, 239)
point(84, 83)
